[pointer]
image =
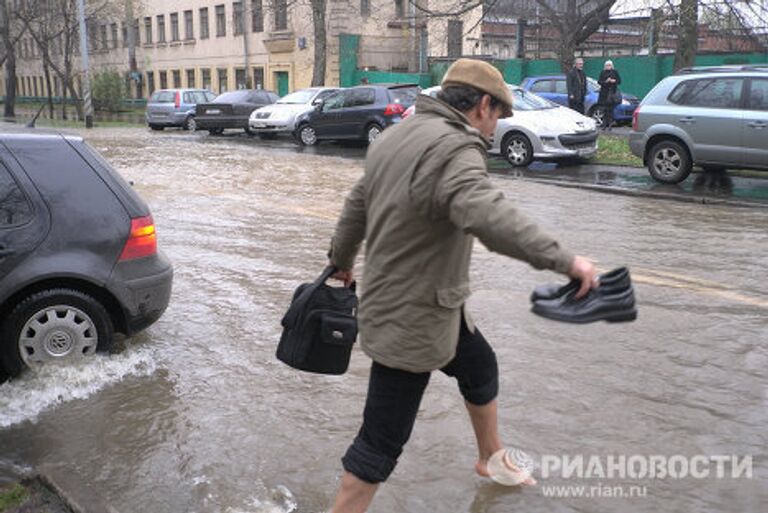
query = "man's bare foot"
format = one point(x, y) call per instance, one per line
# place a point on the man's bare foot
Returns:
point(505, 471)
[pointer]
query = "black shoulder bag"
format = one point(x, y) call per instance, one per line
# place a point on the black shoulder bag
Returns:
point(320, 327)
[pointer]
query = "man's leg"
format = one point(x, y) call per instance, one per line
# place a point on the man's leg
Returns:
point(485, 423)
point(390, 412)
point(355, 495)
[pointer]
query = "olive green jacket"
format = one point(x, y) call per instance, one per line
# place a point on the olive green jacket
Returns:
point(424, 197)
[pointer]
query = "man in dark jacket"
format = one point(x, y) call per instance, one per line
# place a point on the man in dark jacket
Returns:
point(423, 199)
point(577, 86)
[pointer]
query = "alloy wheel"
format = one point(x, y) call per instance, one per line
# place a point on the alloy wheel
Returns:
point(308, 135)
point(59, 332)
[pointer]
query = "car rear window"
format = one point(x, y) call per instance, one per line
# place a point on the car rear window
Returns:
point(724, 93)
point(233, 97)
point(405, 95)
point(541, 86)
point(14, 207)
point(163, 97)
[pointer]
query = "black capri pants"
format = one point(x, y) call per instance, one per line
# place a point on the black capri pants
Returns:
point(393, 400)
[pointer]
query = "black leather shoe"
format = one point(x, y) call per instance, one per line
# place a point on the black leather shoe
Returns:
point(603, 303)
point(618, 279)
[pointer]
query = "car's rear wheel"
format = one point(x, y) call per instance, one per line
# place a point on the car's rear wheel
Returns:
point(669, 162)
point(372, 132)
point(215, 131)
point(517, 149)
point(156, 127)
point(190, 124)
point(54, 325)
point(307, 135)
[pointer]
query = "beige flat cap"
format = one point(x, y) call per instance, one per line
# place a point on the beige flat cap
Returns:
point(482, 76)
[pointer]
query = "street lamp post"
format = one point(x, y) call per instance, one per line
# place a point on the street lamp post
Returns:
point(86, 83)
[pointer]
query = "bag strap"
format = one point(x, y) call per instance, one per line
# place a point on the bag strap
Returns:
point(293, 315)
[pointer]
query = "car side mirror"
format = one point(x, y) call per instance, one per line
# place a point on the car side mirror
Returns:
point(318, 104)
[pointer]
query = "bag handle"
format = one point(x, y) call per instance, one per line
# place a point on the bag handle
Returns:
point(297, 307)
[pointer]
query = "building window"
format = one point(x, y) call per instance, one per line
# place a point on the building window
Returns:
point(136, 35)
point(281, 15)
point(103, 37)
point(190, 77)
point(221, 21)
point(455, 32)
point(175, 26)
point(161, 29)
point(257, 16)
point(124, 33)
point(176, 78)
point(365, 8)
point(204, 31)
point(189, 31)
point(163, 79)
point(399, 9)
point(206, 79)
point(240, 79)
point(258, 78)
point(222, 73)
point(237, 18)
point(113, 29)
point(148, 30)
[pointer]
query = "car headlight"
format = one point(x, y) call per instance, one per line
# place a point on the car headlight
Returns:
point(625, 102)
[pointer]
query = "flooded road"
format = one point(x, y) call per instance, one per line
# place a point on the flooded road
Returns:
point(197, 415)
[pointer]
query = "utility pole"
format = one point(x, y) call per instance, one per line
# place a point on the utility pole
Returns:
point(86, 82)
point(135, 77)
point(244, 21)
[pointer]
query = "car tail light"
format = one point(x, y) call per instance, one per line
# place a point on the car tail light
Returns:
point(394, 109)
point(177, 100)
point(142, 240)
point(634, 119)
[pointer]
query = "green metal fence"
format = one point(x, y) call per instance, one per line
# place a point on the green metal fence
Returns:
point(639, 74)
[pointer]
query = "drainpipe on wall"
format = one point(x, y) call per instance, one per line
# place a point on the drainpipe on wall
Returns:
point(248, 79)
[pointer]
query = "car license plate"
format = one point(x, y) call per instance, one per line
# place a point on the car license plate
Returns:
point(213, 111)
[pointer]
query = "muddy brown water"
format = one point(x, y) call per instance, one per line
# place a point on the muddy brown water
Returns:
point(196, 415)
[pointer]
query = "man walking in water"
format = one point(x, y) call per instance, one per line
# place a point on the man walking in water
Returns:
point(423, 199)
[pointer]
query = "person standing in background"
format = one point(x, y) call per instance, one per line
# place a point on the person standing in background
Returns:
point(609, 93)
point(577, 86)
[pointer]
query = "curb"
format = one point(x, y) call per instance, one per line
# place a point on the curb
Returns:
point(702, 200)
point(76, 494)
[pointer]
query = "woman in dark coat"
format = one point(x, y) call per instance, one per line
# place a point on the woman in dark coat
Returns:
point(609, 92)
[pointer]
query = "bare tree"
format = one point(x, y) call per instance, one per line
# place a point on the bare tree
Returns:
point(688, 40)
point(8, 59)
point(321, 43)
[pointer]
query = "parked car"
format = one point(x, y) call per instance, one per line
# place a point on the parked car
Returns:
point(356, 113)
point(539, 130)
point(280, 117)
point(715, 118)
point(232, 110)
point(553, 88)
point(78, 253)
point(175, 107)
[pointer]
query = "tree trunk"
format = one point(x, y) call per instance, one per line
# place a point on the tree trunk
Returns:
point(48, 84)
point(321, 42)
point(688, 40)
point(10, 62)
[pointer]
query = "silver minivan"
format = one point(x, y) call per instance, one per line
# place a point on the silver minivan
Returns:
point(175, 107)
point(716, 118)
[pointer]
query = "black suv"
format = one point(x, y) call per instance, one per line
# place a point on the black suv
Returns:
point(78, 253)
point(356, 113)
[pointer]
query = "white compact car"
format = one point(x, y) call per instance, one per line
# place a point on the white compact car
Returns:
point(280, 117)
point(540, 130)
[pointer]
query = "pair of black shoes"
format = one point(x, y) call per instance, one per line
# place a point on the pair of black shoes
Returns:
point(612, 301)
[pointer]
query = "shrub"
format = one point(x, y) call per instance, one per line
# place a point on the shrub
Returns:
point(108, 91)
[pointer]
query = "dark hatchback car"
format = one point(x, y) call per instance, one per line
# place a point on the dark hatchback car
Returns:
point(232, 110)
point(356, 113)
point(78, 253)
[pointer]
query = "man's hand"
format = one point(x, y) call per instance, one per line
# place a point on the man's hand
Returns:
point(345, 276)
point(584, 271)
